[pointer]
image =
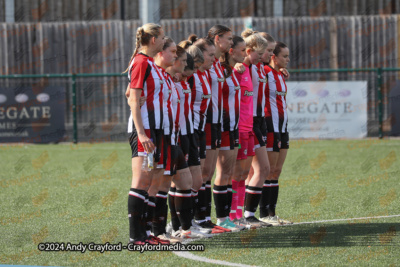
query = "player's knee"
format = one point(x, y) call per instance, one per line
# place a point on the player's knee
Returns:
point(245, 173)
point(166, 184)
point(267, 170)
point(238, 172)
point(197, 184)
point(227, 172)
point(277, 172)
point(237, 178)
point(264, 171)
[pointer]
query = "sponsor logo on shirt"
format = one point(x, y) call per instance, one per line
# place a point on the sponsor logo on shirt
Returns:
point(206, 96)
point(280, 93)
point(247, 93)
point(262, 80)
point(221, 80)
point(237, 87)
point(188, 91)
point(161, 81)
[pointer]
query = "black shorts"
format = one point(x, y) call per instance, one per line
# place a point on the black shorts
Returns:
point(180, 161)
point(276, 140)
point(137, 148)
point(172, 157)
point(230, 140)
point(190, 149)
point(260, 132)
point(213, 135)
point(200, 137)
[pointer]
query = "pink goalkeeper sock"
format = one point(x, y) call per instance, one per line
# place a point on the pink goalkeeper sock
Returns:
point(232, 214)
point(241, 194)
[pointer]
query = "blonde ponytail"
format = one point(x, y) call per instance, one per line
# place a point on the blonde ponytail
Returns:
point(143, 36)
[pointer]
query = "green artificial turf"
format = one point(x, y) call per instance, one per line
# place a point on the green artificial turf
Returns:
point(78, 193)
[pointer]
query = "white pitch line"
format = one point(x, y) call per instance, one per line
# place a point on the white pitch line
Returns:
point(190, 256)
point(348, 219)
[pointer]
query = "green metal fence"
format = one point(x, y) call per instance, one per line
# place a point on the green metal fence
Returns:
point(97, 101)
point(74, 89)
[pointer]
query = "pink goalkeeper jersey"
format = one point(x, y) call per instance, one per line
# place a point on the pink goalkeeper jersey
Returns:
point(246, 100)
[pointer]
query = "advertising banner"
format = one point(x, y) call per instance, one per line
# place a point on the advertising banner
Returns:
point(31, 115)
point(327, 110)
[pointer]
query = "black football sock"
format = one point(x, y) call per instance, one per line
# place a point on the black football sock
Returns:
point(220, 193)
point(183, 207)
point(229, 200)
point(273, 198)
point(208, 200)
point(171, 203)
point(253, 195)
point(194, 202)
point(151, 207)
point(159, 217)
point(135, 213)
point(200, 208)
point(264, 200)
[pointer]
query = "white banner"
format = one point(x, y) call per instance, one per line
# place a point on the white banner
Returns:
point(326, 110)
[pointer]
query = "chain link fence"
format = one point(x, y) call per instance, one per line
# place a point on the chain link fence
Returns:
point(96, 110)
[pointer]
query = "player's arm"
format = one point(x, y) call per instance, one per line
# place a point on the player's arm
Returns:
point(239, 67)
point(285, 73)
point(134, 104)
point(127, 93)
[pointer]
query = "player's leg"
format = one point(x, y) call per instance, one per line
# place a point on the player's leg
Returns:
point(224, 170)
point(200, 208)
point(261, 168)
point(276, 174)
point(141, 181)
point(247, 169)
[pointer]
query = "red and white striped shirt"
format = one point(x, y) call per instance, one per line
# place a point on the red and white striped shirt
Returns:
point(201, 95)
point(231, 103)
point(176, 104)
point(217, 79)
point(186, 115)
point(144, 74)
point(172, 109)
point(276, 99)
point(258, 77)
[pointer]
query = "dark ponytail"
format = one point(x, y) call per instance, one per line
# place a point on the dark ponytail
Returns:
point(225, 57)
point(217, 30)
point(279, 46)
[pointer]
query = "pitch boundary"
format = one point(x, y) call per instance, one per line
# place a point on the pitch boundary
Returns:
point(190, 256)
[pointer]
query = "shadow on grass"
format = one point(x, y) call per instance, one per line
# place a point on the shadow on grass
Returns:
point(312, 235)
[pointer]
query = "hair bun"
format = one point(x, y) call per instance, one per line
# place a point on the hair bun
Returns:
point(193, 38)
point(246, 33)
